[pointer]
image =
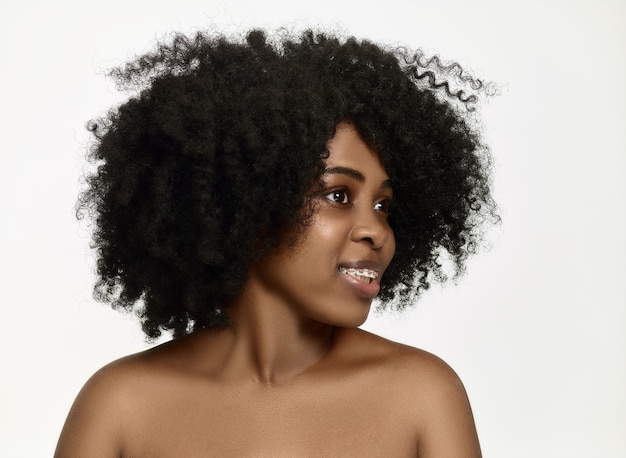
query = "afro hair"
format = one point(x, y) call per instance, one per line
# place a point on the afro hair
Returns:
point(210, 161)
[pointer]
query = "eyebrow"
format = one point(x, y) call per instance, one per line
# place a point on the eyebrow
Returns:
point(354, 174)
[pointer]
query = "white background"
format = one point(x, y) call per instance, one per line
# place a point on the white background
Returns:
point(536, 329)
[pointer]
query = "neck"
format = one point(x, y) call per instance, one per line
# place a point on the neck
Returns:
point(269, 340)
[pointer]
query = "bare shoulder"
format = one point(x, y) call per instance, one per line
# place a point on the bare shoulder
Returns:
point(106, 407)
point(410, 368)
point(425, 389)
point(413, 361)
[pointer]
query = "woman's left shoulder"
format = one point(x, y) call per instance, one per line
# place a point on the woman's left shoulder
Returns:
point(413, 364)
point(428, 391)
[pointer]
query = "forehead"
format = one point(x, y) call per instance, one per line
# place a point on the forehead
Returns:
point(348, 150)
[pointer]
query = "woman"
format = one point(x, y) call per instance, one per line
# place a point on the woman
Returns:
point(250, 199)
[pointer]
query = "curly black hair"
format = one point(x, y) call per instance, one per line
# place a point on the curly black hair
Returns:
point(202, 171)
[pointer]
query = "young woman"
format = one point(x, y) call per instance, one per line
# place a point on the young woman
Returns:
point(254, 198)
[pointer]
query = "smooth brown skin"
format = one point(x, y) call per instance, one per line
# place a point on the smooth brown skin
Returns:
point(293, 376)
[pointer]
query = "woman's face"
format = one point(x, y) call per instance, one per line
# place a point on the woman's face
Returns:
point(334, 271)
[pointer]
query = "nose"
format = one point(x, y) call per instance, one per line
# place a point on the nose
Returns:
point(372, 228)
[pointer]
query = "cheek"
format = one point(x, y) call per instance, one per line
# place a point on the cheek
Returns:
point(327, 235)
point(327, 232)
point(390, 247)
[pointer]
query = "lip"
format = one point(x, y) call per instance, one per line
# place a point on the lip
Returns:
point(362, 289)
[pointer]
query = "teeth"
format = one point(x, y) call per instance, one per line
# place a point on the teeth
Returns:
point(365, 275)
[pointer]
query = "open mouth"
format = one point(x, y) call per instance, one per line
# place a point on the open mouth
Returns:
point(364, 275)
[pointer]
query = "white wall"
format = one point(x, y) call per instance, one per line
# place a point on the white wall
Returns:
point(536, 329)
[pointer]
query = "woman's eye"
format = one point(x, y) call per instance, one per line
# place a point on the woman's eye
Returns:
point(382, 206)
point(338, 196)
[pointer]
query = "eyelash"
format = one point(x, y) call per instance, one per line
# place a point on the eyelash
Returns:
point(381, 206)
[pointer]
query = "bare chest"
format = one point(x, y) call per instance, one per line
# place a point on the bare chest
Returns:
point(301, 422)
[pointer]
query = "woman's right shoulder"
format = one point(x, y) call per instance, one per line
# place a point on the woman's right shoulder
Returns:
point(118, 380)
point(103, 410)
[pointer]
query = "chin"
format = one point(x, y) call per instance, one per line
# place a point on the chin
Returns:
point(350, 320)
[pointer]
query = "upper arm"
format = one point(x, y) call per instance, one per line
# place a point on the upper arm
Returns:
point(446, 427)
point(94, 424)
